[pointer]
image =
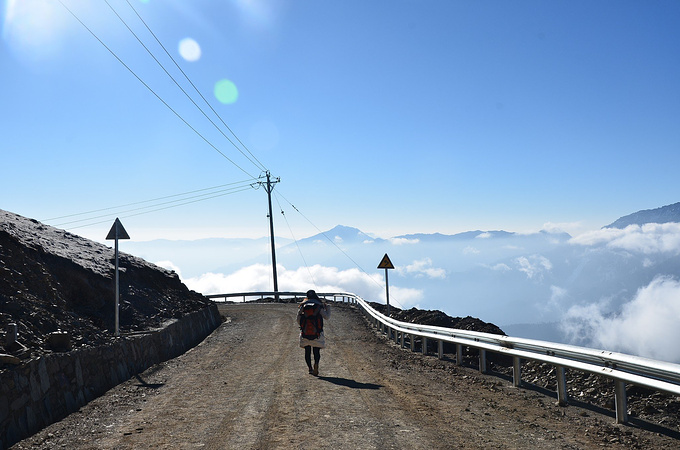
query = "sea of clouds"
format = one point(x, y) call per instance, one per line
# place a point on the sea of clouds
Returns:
point(649, 323)
point(614, 289)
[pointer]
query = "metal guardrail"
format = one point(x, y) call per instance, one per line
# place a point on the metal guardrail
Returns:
point(621, 368)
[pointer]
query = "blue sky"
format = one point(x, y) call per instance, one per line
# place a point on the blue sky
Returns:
point(390, 116)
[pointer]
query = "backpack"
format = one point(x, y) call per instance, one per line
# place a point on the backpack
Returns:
point(311, 322)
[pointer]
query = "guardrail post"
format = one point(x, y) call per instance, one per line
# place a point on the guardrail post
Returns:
point(396, 336)
point(413, 342)
point(440, 349)
point(482, 360)
point(424, 349)
point(402, 339)
point(516, 371)
point(561, 386)
point(459, 355)
point(621, 401)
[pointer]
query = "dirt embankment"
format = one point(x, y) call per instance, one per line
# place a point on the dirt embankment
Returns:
point(247, 386)
point(52, 280)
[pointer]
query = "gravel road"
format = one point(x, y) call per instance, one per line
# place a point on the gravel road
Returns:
point(247, 386)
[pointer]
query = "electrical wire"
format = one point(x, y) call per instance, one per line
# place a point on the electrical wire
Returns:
point(183, 200)
point(202, 197)
point(154, 92)
point(340, 249)
point(262, 166)
point(155, 210)
point(146, 201)
point(296, 242)
point(257, 164)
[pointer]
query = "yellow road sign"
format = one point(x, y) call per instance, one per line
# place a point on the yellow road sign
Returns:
point(386, 263)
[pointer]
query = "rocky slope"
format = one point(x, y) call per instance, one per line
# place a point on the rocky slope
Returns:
point(52, 280)
point(582, 388)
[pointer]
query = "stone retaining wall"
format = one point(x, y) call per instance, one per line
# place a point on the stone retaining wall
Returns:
point(47, 389)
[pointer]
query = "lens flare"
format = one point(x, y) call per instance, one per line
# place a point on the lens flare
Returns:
point(189, 49)
point(33, 29)
point(226, 92)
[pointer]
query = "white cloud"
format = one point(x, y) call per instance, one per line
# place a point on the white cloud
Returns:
point(534, 265)
point(170, 266)
point(573, 228)
point(649, 238)
point(557, 295)
point(500, 267)
point(485, 235)
point(403, 241)
point(422, 267)
point(337, 240)
point(649, 325)
point(258, 277)
point(469, 250)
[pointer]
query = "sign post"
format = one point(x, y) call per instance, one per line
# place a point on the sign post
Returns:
point(117, 232)
point(386, 264)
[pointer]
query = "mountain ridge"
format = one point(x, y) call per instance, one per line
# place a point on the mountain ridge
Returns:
point(664, 214)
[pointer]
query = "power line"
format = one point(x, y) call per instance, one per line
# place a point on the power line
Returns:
point(256, 164)
point(146, 201)
point(154, 210)
point(296, 242)
point(195, 197)
point(338, 247)
point(153, 92)
point(262, 166)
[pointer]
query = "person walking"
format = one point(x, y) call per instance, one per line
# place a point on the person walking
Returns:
point(310, 317)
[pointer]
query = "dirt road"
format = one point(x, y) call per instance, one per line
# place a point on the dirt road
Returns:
point(247, 386)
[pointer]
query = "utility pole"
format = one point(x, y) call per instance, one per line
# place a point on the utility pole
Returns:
point(270, 187)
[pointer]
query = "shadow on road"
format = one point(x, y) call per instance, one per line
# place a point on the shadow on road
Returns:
point(350, 383)
point(143, 383)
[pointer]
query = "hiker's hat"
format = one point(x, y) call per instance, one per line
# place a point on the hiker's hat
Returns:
point(311, 294)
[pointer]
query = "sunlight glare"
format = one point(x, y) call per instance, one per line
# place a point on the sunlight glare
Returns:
point(33, 29)
point(226, 92)
point(189, 49)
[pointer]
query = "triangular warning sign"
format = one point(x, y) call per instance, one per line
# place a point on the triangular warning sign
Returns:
point(386, 263)
point(117, 231)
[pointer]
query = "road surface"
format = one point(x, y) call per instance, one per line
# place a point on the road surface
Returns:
point(247, 386)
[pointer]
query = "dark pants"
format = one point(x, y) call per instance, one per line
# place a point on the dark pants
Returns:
point(308, 355)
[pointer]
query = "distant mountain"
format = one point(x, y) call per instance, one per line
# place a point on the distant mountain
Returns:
point(341, 233)
point(665, 214)
point(438, 237)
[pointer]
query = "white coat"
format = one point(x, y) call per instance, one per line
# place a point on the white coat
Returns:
point(325, 313)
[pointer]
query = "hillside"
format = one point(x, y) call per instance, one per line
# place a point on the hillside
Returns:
point(53, 280)
point(664, 214)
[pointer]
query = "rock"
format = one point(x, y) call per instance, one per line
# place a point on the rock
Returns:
point(58, 341)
